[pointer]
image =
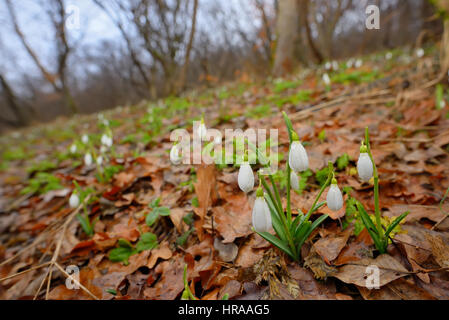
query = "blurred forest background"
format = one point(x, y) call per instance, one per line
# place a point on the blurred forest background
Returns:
point(59, 57)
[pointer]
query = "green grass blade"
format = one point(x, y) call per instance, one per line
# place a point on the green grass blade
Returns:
point(275, 220)
point(395, 223)
point(276, 242)
point(289, 125)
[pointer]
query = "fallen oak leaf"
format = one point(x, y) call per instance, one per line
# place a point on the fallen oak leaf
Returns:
point(356, 273)
point(330, 247)
point(440, 250)
point(399, 289)
point(163, 252)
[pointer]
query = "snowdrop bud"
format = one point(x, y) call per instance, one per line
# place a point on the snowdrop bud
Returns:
point(202, 130)
point(420, 52)
point(106, 140)
point(85, 138)
point(358, 63)
point(99, 160)
point(328, 65)
point(73, 148)
point(103, 149)
point(350, 63)
point(74, 200)
point(297, 158)
point(335, 65)
point(334, 197)
point(326, 79)
point(442, 104)
point(388, 55)
point(87, 159)
point(261, 213)
point(294, 180)
point(175, 156)
point(364, 165)
point(246, 177)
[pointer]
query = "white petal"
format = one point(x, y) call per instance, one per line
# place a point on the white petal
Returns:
point(246, 178)
point(261, 216)
point(99, 160)
point(88, 159)
point(175, 157)
point(73, 148)
point(365, 167)
point(294, 180)
point(334, 198)
point(85, 138)
point(74, 200)
point(297, 158)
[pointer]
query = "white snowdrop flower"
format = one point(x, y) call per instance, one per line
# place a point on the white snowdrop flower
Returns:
point(326, 79)
point(328, 65)
point(99, 160)
point(420, 52)
point(85, 138)
point(88, 159)
point(358, 63)
point(294, 180)
point(297, 158)
point(73, 148)
point(364, 165)
point(350, 63)
point(106, 140)
point(261, 217)
point(202, 130)
point(74, 200)
point(334, 197)
point(335, 65)
point(388, 55)
point(442, 104)
point(103, 149)
point(218, 140)
point(246, 177)
point(175, 156)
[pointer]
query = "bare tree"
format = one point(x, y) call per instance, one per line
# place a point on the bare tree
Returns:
point(287, 26)
point(326, 15)
point(58, 80)
point(182, 77)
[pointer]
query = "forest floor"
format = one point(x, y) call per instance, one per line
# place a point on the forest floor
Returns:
point(200, 217)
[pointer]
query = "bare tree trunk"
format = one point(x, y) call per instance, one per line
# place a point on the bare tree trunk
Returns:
point(57, 17)
point(287, 26)
point(11, 100)
point(182, 77)
point(443, 6)
point(304, 7)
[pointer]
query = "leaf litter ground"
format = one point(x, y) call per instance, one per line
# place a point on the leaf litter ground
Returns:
point(209, 225)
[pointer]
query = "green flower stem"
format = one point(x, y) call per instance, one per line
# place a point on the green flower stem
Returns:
point(285, 223)
point(376, 186)
point(278, 196)
point(325, 185)
point(289, 210)
point(270, 194)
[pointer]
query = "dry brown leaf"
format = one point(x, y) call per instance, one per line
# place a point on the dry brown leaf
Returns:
point(440, 250)
point(163, 252)
point(389, 269)
point(330, 247)
point(399, 289)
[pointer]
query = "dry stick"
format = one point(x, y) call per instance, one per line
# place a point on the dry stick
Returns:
point(305, 112)
point(41, 237)
point(76, 281)
point(25, 271)
point(49, 273)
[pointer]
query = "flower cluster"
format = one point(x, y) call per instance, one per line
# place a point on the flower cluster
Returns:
point(298, 161)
